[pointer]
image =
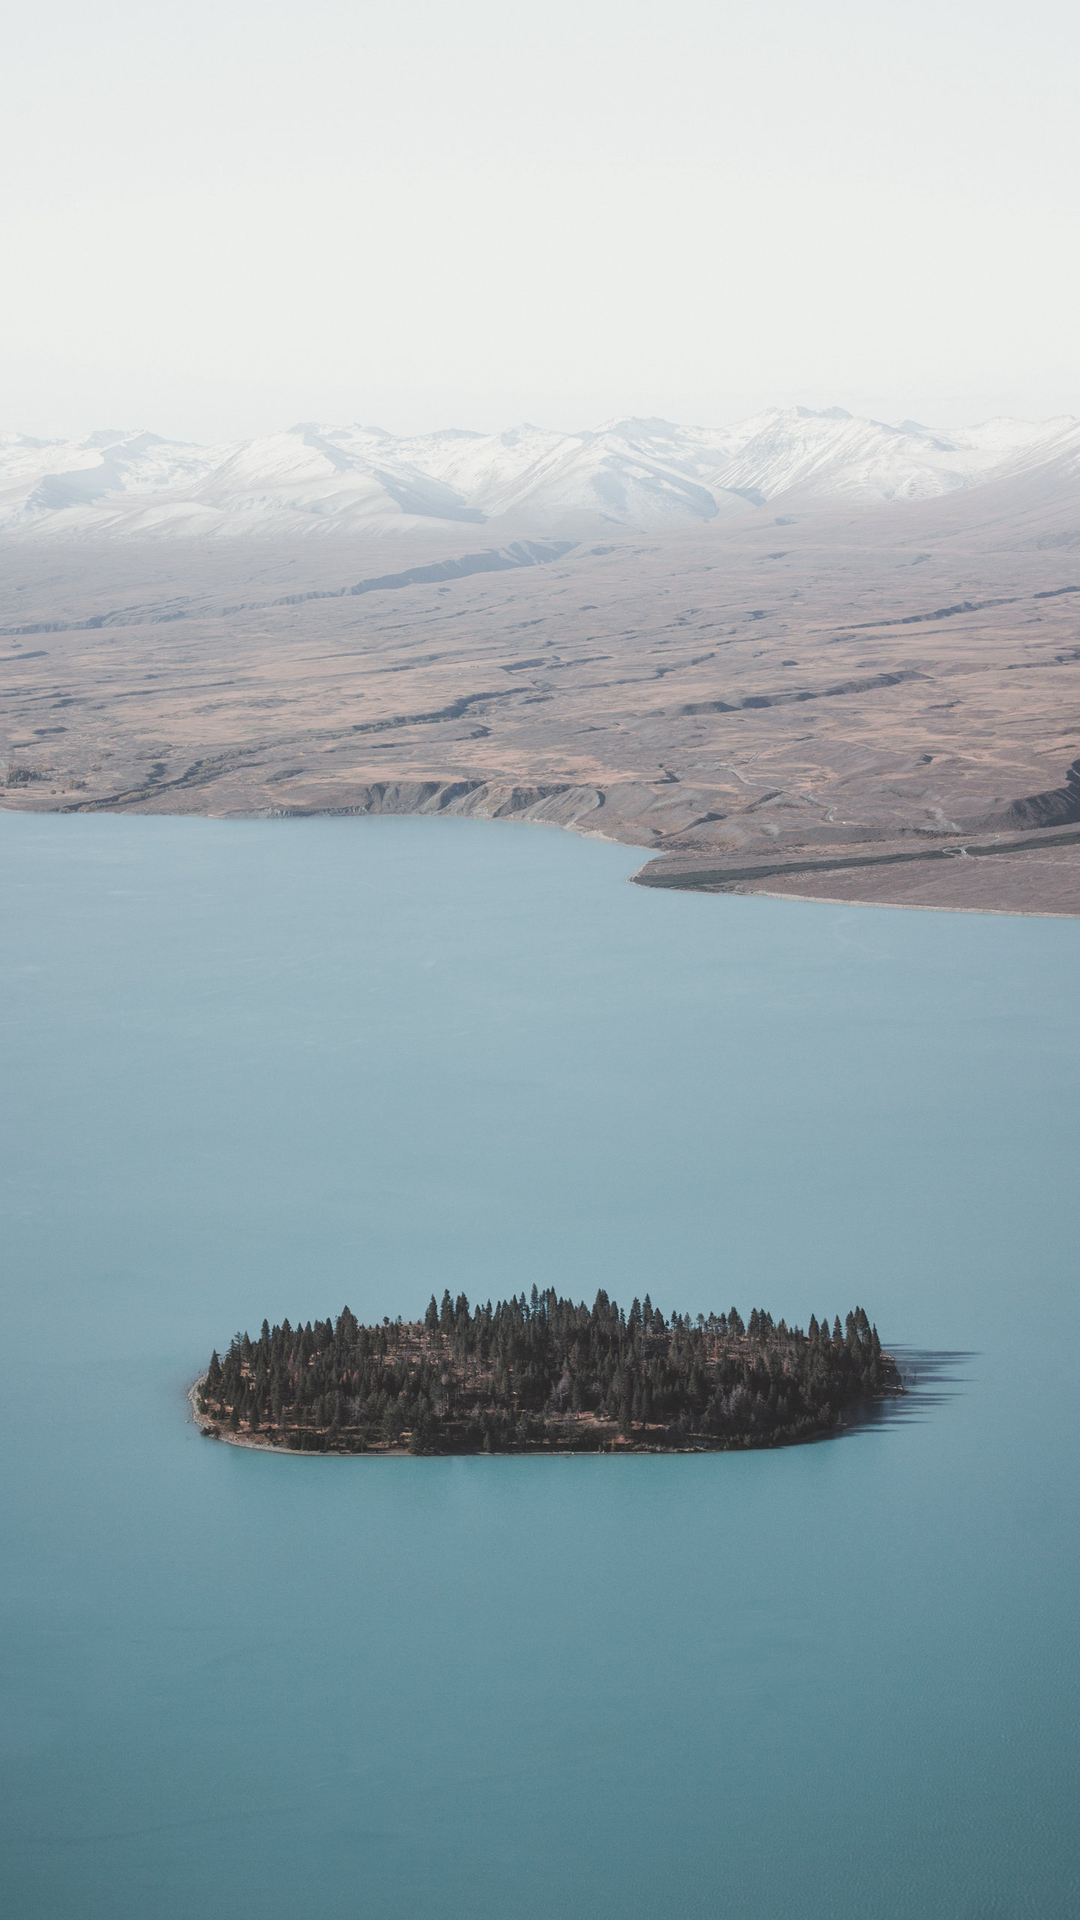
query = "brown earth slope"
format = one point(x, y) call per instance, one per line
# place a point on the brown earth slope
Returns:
point(758, 703)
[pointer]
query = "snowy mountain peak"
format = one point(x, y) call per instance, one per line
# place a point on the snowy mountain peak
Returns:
point(640, 473)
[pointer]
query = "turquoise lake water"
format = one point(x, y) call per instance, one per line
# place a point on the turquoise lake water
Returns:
point(271, 1067)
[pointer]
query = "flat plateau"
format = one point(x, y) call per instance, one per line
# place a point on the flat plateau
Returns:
point(844, 703)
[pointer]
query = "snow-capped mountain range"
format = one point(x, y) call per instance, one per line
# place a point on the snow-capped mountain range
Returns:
point(629, 474)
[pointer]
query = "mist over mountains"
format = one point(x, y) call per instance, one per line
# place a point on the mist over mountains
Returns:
point(630, 475)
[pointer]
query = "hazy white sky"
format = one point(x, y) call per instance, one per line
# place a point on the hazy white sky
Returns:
point(219, 217)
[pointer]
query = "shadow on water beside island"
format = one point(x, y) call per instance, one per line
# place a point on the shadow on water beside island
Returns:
point(930, 1380)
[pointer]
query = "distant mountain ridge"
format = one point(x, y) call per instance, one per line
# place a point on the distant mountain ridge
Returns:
point(633, 474)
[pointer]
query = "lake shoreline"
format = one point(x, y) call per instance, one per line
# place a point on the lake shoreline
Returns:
point(1030, 877)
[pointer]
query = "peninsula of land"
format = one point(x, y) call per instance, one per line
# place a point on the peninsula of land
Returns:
point(542, 1375)
point(834, 699)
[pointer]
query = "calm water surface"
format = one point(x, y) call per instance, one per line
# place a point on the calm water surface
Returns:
point(267, 1068)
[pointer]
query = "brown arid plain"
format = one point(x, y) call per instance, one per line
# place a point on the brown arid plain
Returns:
point(856, 703)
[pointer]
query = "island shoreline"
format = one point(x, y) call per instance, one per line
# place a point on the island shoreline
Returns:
point(620, 1451)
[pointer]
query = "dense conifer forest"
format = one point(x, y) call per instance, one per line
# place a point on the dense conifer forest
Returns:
point(543, 1375)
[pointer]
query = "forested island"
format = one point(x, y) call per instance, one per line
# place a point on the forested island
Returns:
point(542, 1375)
